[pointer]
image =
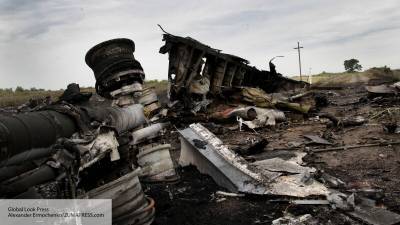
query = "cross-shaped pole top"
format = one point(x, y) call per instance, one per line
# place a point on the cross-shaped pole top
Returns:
point(298, 50)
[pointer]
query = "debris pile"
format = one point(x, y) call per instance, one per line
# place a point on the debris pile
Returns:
point(198, 73)
point(258, 139)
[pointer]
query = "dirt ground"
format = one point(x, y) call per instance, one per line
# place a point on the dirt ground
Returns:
point(372, 172)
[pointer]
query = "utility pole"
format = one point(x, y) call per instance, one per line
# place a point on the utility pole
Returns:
point(298, 50)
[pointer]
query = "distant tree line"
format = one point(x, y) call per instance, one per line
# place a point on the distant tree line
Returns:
point(19, 89)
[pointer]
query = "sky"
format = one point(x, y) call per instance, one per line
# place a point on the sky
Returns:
point(43, 43)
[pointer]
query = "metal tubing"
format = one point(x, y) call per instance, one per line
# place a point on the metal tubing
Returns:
point(21, 132)
point(43, 174)
point(12, 171)
point(24, 157)
point(150, 131)
point(122, 119)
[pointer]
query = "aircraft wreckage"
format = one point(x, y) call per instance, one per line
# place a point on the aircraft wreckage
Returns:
point(81, 148)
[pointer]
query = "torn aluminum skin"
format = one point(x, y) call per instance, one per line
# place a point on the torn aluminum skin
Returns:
point(201, 148)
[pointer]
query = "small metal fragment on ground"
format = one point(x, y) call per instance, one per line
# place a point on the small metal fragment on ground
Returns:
point(330, 180)
point(294, 144)
point(374, 215)
point(381, 90)
point(344, 122)
point(280, 165)
point(283, 154)
point(310, 202)
point(299, 220)
point(317, 140)
point(223, 193)
point(250, 146)
point(341, 201)
point(220, 200)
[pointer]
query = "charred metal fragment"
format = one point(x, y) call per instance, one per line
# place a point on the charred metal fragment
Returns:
point(22, 132)
point(9, 172)
point(23, 157)
point(271, 176)
point(374, 215)
point(122, 119)
point(41, 129)
point(39, 176)
point(190, 59)
point(114, 65)
point(73, 94)
point(156, 163)
point(129, 204)
point(148, 132)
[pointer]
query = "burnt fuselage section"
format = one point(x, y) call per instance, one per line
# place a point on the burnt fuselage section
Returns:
point(198, 69)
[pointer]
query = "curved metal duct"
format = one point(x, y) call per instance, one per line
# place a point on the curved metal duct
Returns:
point(29, 155)
point(8, 172)
point(114, 65)
point(108, 53)
point(130, 205)
point(39, 176)
point(148, 132)
point(22, 132)
point(122, 119)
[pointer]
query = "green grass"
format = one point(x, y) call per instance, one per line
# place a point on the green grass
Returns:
point(160, 86)
point(21, 97)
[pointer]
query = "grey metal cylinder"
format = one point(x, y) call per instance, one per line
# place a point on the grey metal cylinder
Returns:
point(21, 132)
point(122, 119)
point(39, 176)
point(147, 132)
point(129, 204)
point(156, 163)
point(127, 118)
point(8, 172)
point(29, 155)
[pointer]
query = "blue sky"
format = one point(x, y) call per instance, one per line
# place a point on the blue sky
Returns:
point(43, 43)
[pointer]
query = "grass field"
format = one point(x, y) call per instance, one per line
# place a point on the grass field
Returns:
point(9, 97)
point(335, 79)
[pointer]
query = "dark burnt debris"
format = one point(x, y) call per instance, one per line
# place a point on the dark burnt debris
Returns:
point(198, 72)
point(231, 144)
